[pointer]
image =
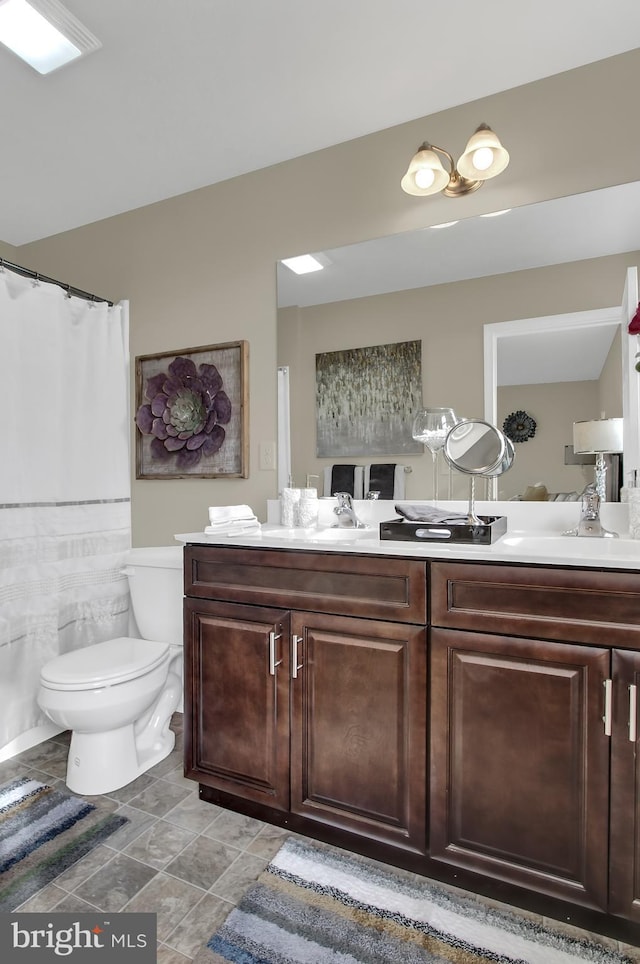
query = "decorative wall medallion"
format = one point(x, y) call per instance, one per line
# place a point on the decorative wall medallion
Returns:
point(519, 427)
point(191, 413)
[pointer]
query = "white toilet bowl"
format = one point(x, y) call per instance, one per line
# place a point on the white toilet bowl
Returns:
point(117, 697)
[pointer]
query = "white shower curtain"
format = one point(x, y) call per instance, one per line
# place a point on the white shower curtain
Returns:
point(65, 521)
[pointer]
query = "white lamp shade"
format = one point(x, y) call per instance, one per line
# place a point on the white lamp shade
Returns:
point(425, 174)
point(484, 156)
point(598, 435)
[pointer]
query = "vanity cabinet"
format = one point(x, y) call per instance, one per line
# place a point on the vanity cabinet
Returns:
point(533, 772)
point(472, 721)
point(238, 699)
point(624, 891)
point(316, 712)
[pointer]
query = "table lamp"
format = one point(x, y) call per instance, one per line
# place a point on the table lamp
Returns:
point(599, 437)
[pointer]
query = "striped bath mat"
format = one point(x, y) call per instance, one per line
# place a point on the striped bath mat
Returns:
point(42, 832)
point(316, 905)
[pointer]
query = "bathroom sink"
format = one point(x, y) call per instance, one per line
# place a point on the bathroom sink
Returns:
point(324, 536)
point(343, 535)
point(569, 547)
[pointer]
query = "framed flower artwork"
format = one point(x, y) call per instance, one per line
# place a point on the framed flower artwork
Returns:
point(191, 413)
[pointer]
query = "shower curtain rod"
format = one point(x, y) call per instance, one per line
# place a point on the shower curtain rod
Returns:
point(28, 273)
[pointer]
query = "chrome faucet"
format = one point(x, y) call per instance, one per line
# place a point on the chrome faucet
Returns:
point(347, 518)
point(590, 524)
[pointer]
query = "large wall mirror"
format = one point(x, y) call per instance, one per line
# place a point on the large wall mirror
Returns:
point(562, 258)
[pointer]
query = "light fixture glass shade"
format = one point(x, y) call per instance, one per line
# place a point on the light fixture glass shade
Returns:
point(484, 156)
point(425, 174)
point(599, 435)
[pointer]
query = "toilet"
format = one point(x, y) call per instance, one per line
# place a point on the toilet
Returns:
point(117, 697)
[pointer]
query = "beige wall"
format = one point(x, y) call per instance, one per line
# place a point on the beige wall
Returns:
point(555, 408)
point(8, 252)
point(200, 268)
point(609, 384)
point(449, 321)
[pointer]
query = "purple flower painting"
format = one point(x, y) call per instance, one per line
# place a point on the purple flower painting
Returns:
point(185, 411)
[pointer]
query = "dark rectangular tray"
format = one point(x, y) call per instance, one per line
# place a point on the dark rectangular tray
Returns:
point(401, 530)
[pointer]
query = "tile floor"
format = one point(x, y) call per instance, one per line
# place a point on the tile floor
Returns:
point(187, 861)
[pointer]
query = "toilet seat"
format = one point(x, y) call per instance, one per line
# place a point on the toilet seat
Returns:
point(104, 664)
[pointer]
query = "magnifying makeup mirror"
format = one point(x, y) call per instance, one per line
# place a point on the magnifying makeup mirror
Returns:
point(475, 447)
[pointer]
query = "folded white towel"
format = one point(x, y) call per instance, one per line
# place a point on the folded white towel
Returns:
point(238, 528)
point(229, 513)
point(233, 523)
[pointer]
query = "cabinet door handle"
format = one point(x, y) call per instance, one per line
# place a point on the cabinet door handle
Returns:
point(633, 713)
point(608, 687)
point(295, 665)
point(272, 653)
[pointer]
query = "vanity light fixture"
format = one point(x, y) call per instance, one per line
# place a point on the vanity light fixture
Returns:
point(44, 33)
point(484, 157)
point(303, 264)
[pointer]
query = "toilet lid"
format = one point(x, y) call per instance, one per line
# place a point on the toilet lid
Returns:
point(103, 664)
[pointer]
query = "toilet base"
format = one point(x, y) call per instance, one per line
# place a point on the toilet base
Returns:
point(102, 762)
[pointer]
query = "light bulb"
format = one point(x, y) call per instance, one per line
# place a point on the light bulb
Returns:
point(424, 177)
point(483, 158)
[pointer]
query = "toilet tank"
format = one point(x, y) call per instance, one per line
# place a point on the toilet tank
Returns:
point(157, 589)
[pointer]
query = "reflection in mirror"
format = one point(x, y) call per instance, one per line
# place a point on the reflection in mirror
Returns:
point(443, 286)
point(590, 225)
point(562, 369)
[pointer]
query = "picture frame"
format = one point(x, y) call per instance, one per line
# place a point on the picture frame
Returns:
point(191, 414)
point(366, 399)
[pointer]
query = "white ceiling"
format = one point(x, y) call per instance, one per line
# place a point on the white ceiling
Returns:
point(571, 355)
point(185, 93)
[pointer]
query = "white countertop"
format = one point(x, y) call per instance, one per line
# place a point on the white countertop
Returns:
point(534, 535)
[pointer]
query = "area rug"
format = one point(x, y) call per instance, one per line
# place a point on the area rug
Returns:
point(316, 905)
point(42, 833)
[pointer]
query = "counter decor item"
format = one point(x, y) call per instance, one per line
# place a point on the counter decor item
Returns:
point(288, 501)
point(434, 528)
point(431, 427)
point(228, 520)
point(519, 427)
point(473, 447)
point(192, 413)
point(633, 499)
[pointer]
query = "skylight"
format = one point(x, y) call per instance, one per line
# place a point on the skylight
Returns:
point(43, 33)
point(303, 264)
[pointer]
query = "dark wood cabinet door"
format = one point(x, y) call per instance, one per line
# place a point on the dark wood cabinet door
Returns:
point(358, 745)
point(237, 699)
point(520, 761)
point(625, 787)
